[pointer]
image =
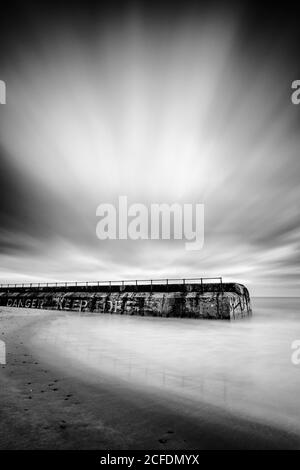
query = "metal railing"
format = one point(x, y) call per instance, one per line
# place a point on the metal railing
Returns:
point(122, 283)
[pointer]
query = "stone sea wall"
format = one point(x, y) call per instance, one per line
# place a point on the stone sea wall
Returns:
point(189, 301)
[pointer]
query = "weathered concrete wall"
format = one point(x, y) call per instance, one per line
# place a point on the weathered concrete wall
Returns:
point(191, 301)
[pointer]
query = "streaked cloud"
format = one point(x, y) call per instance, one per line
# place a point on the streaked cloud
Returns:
point(181, 110)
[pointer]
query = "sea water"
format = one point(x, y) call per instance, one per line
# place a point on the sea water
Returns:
point(244, 366)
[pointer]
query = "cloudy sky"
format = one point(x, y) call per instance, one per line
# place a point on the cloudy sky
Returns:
point(177, 104)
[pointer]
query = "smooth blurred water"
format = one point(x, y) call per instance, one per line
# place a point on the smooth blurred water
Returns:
point(244, 365)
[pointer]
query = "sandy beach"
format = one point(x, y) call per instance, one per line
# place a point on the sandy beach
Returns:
point(48, 402)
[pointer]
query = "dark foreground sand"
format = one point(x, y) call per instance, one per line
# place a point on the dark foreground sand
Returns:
point(45, 403)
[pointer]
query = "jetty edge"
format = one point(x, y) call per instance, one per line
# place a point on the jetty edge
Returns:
point(181, 298)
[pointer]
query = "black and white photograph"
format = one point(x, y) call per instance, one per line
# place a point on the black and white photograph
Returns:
point(149, 229)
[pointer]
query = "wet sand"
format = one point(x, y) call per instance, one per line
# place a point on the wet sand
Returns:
point(49, 403)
